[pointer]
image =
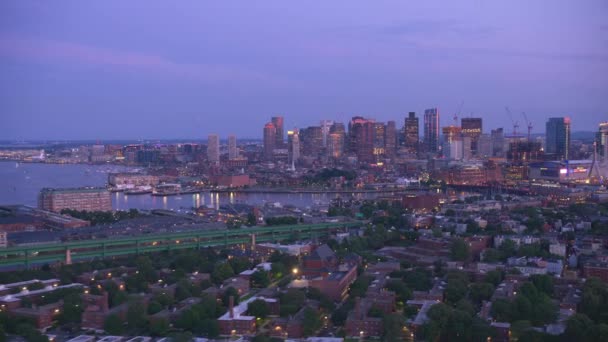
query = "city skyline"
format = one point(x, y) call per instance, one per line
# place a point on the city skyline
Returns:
point(109, 71)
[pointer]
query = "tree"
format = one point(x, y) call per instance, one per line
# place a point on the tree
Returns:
point(393, 327)
point(311, 322)
point(494, 277)
point(113, 325)
point(159, 327)
point(481, 291)
point(579, 327)
point(136, 315)
point(154, 307)
point(258, 308)
point(260, 279)
point(508, 248)
point(222, 272)
point(460, 250)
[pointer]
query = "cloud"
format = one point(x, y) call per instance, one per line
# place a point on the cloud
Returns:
point(437, 28)
point(53, 51)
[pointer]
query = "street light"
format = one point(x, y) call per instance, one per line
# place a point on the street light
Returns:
point(295, 270)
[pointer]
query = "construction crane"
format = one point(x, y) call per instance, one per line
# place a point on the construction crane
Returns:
point(528, 123)
point(515, 123)
point(457, 114)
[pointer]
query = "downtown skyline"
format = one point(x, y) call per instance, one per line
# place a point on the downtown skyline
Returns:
point(109, 71)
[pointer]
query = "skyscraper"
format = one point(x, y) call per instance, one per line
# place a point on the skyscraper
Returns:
point(277, 121)
point(452, 142)
point(311, 139)
point(431, 129)
point(379, 142)
point(325, 127)
point(270, 138)
point(411, 133)
point(213, 149)
point(233, 153)
point(361, 134)
point(557, 137)
point(472, 127)
point(603, 140)
point(293, 145)
point(390, 139)
point(337, 136)
point(498, 142)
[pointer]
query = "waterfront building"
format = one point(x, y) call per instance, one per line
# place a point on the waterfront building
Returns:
point(431, 130)
point(213, 149)
point(270, 138)
point(557, 137)
point(233, 152)
point(83, 199)
point(277, 121)
point(411, 133)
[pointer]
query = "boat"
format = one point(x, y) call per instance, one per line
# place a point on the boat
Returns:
point(139, 191)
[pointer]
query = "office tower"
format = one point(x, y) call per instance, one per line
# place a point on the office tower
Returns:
point(602, 143)
point(270, 138)
point(497, 137)
point(467, 153)
point(452, 142)
point(337, 134)
point(311, 139)
point(277, 121)
point(325, 127)
point(233, 153)
point(485, 149)
point(411, 133)
point(472, 127)
point(379, 143)
point(87, 199)
point(390, 139)
point(335, 145)
point(557, 137)
point(293, 146)
point(213, 149)
point(361, 134)
point(431, 130)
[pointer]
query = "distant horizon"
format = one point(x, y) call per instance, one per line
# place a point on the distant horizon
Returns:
point(149, 68)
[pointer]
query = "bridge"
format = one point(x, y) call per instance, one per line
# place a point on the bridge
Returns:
point(29, 256)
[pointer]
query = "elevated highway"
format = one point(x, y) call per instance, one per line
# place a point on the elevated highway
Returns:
point(67, 252)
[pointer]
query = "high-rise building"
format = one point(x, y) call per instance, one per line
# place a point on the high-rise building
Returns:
point(484, 146)
point(379, 142)
point(87, 199)
point(411, 133)
point(293, 146)
point(335, 145)
point(337, 138)
point(361, 135)
point(472, 127)
point(270, 138)
point(325, 127)
point(431, 130)
point(603, 140)
point(233, 153)
point(213, 149)
point(452, 142)
point(277, 121)
point(311, 139)
point(497, 137)
point(390, 139)
point(557, 137)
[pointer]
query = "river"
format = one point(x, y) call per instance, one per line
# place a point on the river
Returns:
point(20, 183)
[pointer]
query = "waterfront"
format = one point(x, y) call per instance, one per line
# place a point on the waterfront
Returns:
point(20, 184)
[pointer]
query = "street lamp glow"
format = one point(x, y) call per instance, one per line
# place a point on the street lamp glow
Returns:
point(295, 270)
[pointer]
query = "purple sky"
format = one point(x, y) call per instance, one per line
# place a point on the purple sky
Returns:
point(149, 69)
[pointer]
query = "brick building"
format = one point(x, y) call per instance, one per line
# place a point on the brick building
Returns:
point(88, 199)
